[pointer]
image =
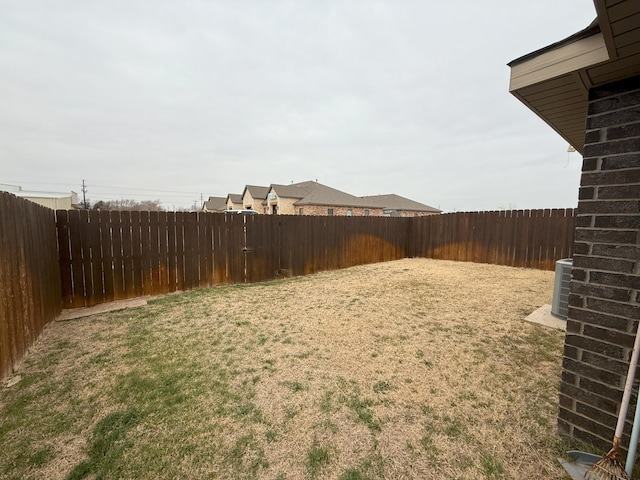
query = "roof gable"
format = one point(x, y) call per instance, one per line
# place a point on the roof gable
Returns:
point(257, 192)
point(295, 190)
point(216, 203)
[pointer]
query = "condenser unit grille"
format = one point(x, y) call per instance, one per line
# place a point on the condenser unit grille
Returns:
point(560, 303)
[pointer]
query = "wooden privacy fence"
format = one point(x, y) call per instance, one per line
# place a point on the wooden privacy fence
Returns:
point(114, 255)
point(107, 256)
point(29, 276)
point(518, 238)
point(99, 256)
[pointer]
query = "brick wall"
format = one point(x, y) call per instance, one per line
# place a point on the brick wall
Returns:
point(338, 210)
point(604, 303)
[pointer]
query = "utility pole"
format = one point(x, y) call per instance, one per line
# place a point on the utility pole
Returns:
point(84, 195)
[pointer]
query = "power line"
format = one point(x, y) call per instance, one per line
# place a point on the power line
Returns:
point(148, 189)
point(117, 187)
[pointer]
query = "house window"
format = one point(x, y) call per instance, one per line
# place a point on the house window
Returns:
point(300, 211)
point(366, 212)
point(349, 213)
point(329, 211)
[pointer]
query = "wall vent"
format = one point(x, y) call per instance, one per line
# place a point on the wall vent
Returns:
point(560, 303)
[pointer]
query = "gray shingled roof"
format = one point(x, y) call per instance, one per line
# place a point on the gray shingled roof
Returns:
point(215, 204)
point(257, 192)
point(313, 193)
point(235, 197)
point(396, 202)
point(323, 195)
point(295, 190)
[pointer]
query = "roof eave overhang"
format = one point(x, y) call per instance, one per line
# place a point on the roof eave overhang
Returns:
point(550, 64)
point(552, 82)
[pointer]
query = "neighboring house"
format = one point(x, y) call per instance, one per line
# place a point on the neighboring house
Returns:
point(308, 198)
point(395, 205)
point(53, 200)
point(234, 201)
point(254, 197)
point(587, 88)
point(313, 198)
point(215, 204)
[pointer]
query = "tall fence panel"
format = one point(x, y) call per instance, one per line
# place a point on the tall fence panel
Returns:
point(518, 238)
point(288, 245)
point(29, 276)
point(113, 255)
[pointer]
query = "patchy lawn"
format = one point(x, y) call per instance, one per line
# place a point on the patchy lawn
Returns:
point(413, 369)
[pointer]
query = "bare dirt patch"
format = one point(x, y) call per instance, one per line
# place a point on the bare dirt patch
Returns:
point(408, 369)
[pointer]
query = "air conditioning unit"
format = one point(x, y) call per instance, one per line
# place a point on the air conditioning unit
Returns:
point(560, 303)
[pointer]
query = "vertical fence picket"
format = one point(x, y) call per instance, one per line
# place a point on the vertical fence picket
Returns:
point(172, 276)
point(180, 251)
point(119, 256)
point(191, 264)
point(203, 253)
point(154, 254)
point(127, 255)
point(219, 248)
point(163, 253)
point(64, 255)
point(136, 253)
point(106, 236)
point(145, 254)
point(95, 266)
point(75, 234)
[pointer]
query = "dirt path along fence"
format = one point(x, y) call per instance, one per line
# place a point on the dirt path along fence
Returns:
point(29, 276)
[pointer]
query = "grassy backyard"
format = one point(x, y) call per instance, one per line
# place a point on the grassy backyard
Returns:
point(413, 369)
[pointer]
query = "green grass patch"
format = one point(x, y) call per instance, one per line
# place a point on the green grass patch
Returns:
point(317, 458)
point(108, 444)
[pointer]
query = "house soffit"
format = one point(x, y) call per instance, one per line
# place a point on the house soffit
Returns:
point(554, 82)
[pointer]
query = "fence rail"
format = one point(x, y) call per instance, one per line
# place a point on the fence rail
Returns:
point(29, 276)
point(114, 255)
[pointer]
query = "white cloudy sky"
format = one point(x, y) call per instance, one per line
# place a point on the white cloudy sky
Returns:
point(174, 99)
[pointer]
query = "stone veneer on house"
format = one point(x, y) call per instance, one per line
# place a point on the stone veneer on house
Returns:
point(604, 306)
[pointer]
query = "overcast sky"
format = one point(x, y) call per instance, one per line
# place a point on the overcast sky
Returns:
point(146, 98)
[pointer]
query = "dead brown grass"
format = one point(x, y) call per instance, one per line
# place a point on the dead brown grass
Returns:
point(414, 369)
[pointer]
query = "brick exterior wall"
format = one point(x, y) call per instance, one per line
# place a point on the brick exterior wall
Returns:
point(337, 210)
point(355, 211)
point(285, 206)
point(604, 305)
point(251, 203)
